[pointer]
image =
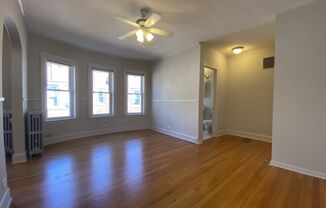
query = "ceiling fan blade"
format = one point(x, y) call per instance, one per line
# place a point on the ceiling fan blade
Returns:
point(127, 21)
point(153, 19)
point(128, 35)
point(161, 32)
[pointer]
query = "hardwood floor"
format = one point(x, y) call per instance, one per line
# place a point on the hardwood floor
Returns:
point(148, 169)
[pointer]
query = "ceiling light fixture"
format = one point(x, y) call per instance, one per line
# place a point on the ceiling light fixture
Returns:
point(145, 29)
point(237, 50)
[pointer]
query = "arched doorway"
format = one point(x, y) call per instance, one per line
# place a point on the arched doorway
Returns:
point(12, 58)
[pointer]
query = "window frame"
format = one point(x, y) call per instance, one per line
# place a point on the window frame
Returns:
point(111, 70)
point(144, 92)
point(73, 74)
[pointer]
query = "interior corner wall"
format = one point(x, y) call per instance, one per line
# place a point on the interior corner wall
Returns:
point(85, 125)
point(214, 58)
point(250, 93)
point(9, 8)
point(175, 94)
point(299, 120)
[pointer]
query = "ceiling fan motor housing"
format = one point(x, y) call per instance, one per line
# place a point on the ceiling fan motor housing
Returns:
point(141, 22)
point(144, 12)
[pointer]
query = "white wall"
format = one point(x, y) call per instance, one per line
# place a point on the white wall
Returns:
point(244, 93)
point(299, 122)
point(84, 125)
point(10, 8)
point(175, 94)
point(250, 92)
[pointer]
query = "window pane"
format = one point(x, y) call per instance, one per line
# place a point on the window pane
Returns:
point(134, 83)
point(58, 104)
point(57, 76)
point(101, 103)
point(134, 103)
point(101, 81)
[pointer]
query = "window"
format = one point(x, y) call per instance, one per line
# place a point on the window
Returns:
point(135, 93)
point(59, 89)
point(101, 91)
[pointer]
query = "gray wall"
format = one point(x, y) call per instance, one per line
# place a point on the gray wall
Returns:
point(10, 8)
point(299, 120)
point(84, 125)
point(175, 94)
point(250, 92)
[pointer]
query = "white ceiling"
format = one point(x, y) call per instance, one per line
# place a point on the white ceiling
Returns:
point(250, 38)
point(91, 24)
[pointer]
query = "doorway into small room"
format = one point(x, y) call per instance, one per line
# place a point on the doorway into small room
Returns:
point(6, 94)
point(209, 96)
point(12, 101)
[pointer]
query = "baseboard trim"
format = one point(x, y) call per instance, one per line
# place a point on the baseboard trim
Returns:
point(19, 158)
point(259, 137)
point(221, 133)
point(6, 199)
point(175, 134)
point(299, 169)
point(67, 137)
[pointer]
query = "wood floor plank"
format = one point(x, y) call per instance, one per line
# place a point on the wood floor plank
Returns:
point(149, 169)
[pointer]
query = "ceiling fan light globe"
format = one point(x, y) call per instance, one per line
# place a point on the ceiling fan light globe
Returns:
point(149, 37)
point(140, 36)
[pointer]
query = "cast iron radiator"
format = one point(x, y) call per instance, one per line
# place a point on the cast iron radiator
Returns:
point(7, 132)
point(34, 143)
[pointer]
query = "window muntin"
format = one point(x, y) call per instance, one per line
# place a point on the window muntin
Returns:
point(102, 92)
point(60, 90)
point(135, 93)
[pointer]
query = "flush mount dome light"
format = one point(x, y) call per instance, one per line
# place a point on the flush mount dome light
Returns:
point(237, 50)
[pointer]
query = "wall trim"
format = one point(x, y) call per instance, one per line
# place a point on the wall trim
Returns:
point(221, 133)
point(6, 199)
point(81, 134)
point(19, 158)
point(259, 137)
point(175, 134)
point(298, 169)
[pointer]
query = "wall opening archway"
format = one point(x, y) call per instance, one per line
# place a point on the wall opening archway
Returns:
point(12, 58)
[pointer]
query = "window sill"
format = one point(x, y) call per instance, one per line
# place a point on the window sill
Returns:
point(60, 120)
point(135, 114)
point(101, 116)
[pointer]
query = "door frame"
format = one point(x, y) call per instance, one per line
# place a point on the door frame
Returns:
point(201, 104)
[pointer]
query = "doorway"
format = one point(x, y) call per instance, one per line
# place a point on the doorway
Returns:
point(6, 93)
point(209, 91)
point(13, 85)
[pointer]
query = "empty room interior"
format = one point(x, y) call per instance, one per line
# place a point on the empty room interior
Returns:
point(148, 103)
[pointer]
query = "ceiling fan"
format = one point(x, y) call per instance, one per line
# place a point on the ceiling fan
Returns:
point(144, 27)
